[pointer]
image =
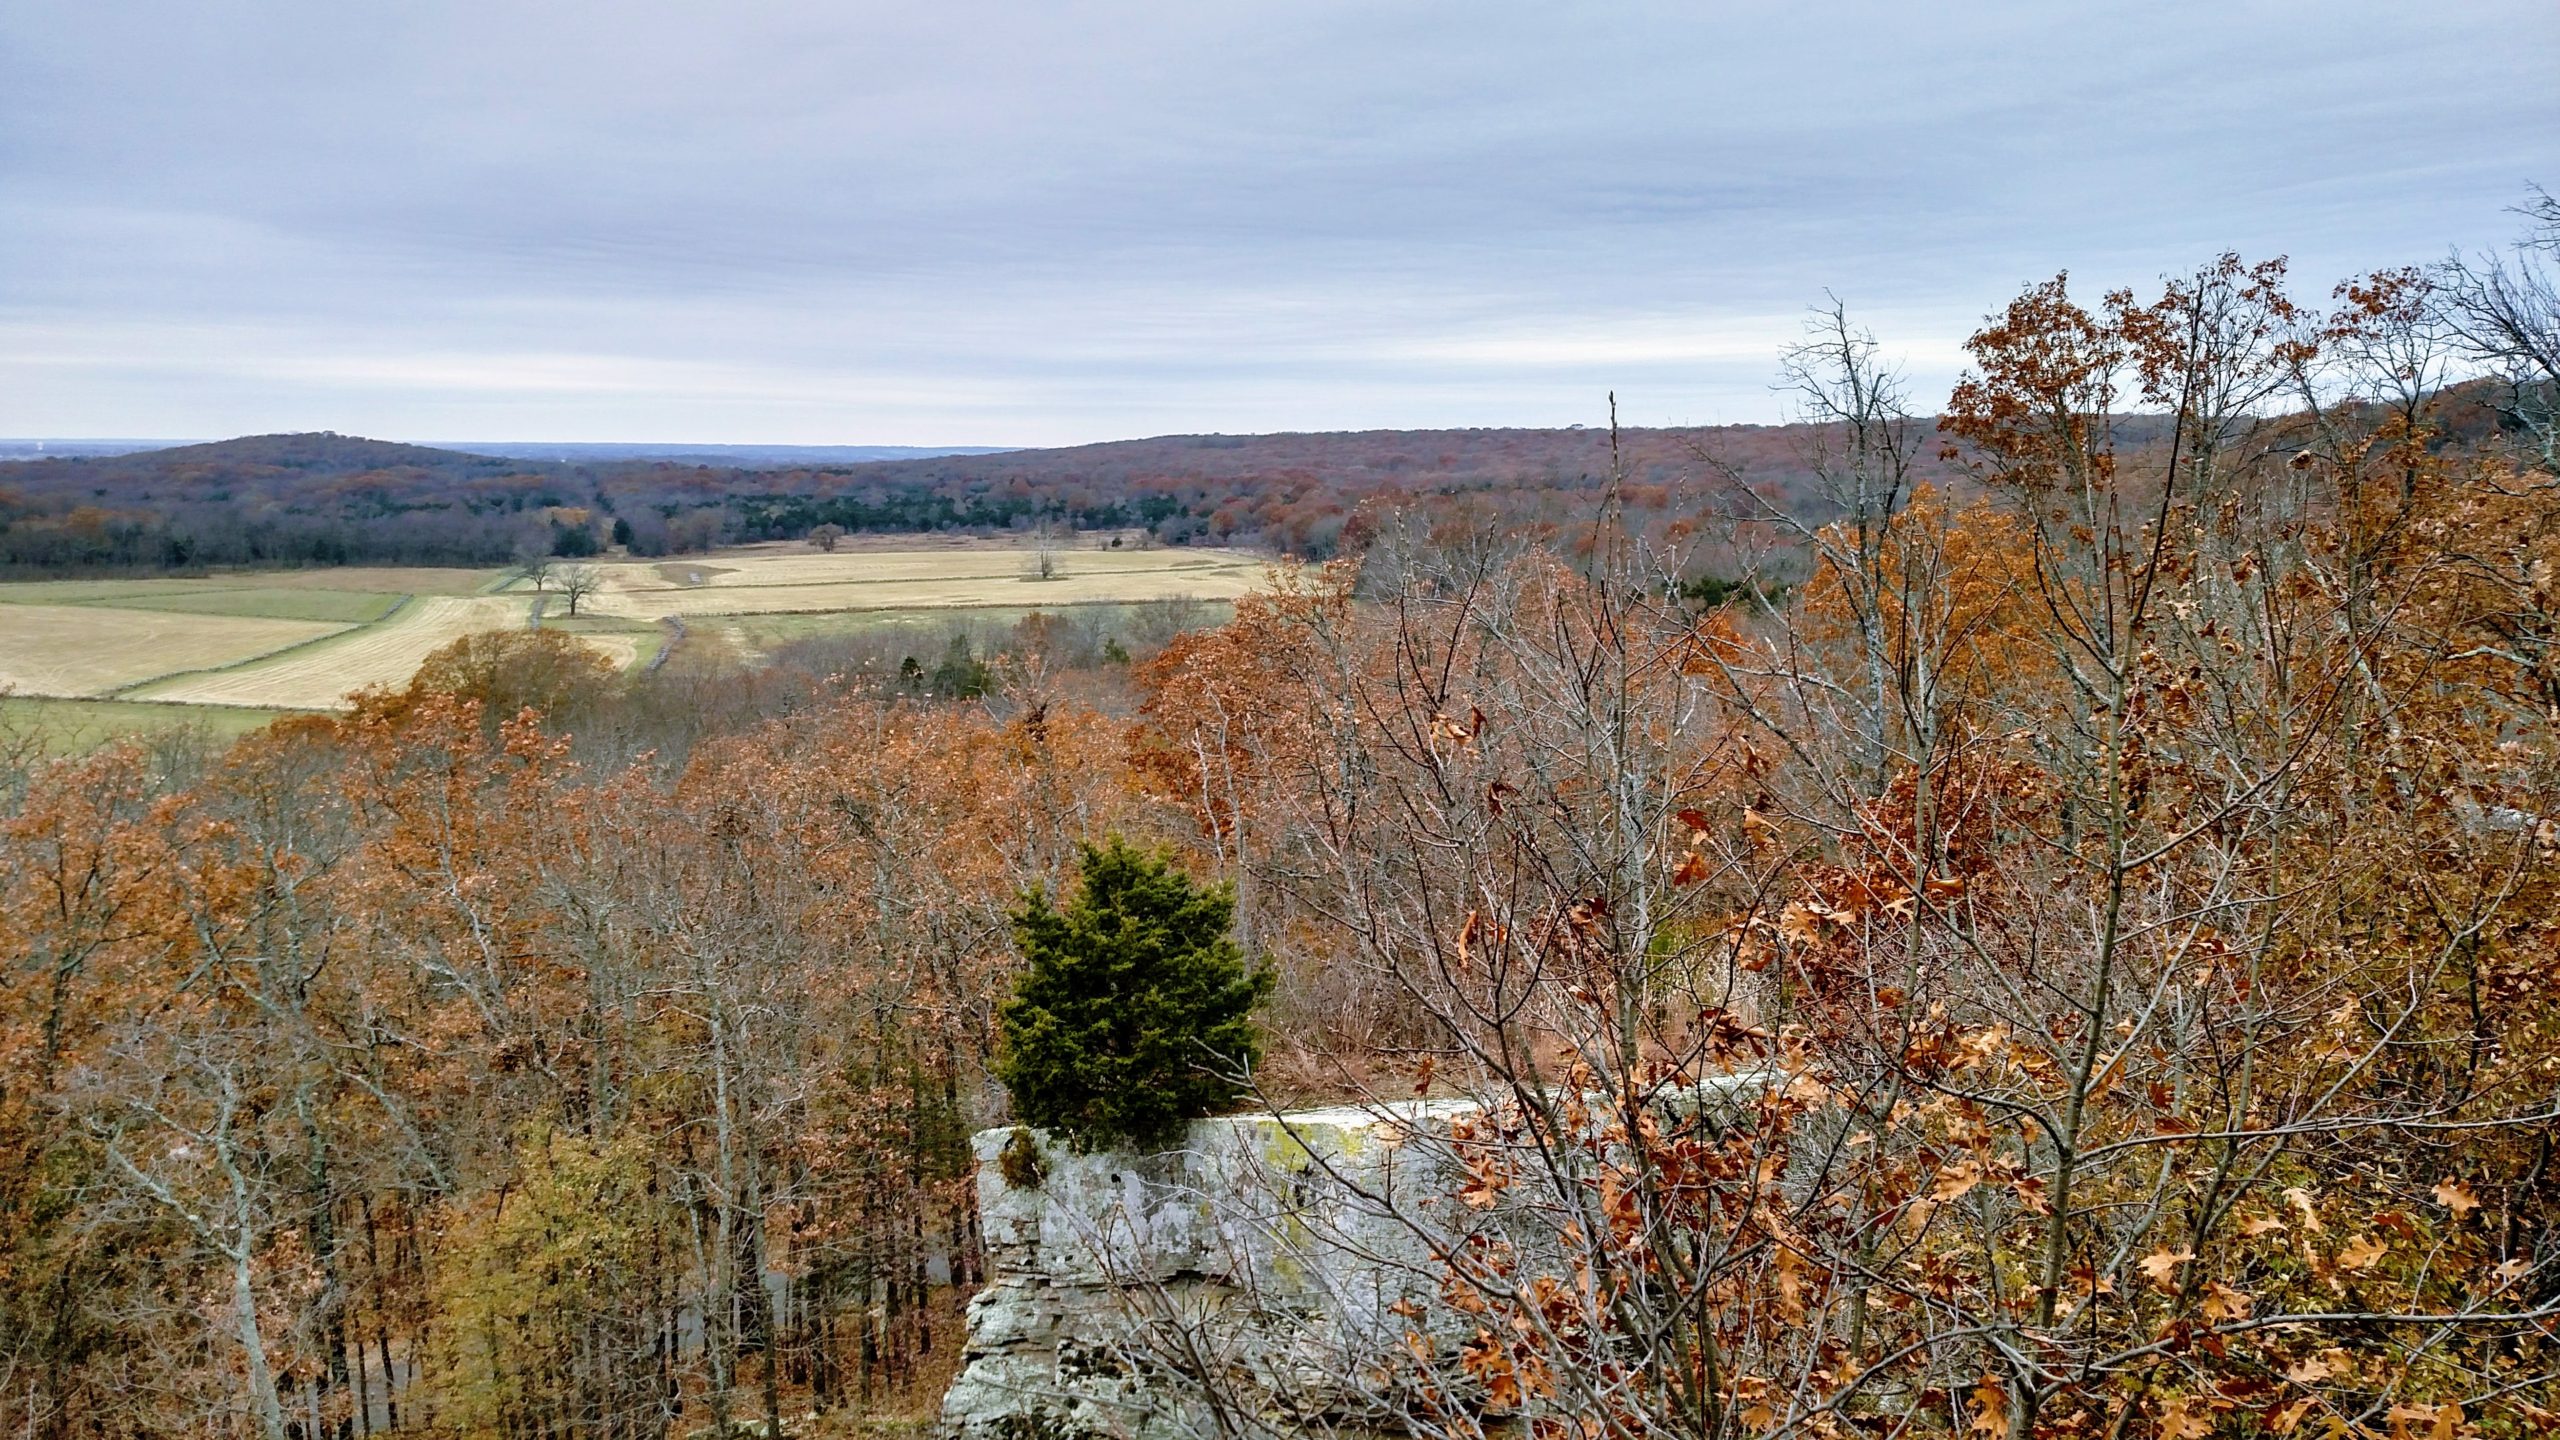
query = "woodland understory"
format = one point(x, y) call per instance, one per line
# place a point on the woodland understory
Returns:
point(2140, 865)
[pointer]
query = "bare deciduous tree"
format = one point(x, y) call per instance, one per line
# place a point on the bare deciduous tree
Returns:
point(578, 582)
point(2506, 310)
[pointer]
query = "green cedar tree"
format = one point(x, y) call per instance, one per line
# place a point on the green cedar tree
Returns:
point(1135, 1014)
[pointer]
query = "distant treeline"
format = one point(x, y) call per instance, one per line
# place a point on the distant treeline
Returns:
point(324, 499)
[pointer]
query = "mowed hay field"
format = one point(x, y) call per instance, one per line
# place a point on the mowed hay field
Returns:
point(309, 640)
point(85, 651)
point(773, 580)
point(326, 675)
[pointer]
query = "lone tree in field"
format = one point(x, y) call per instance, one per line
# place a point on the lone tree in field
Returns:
point(578, 582)
point(1136, 1014)
point(535, 569)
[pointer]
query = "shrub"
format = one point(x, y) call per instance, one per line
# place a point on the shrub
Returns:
point(1020, 1163)
point(1136, 1012)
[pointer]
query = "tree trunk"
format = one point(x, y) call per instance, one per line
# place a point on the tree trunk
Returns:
point(263, 1402)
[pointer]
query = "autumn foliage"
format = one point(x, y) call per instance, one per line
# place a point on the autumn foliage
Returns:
point(2125, 867)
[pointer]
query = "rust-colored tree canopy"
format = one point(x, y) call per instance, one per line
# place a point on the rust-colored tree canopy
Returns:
point(2126, 846)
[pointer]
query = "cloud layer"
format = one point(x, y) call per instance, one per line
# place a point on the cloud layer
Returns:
point(966, 222)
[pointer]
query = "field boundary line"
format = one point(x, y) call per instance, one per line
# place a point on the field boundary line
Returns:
point(953, 605)
point(1204, 567)
point(145, 603)
point(666, 647)
point(163, 704)
point(119, 602)
point(385, 618)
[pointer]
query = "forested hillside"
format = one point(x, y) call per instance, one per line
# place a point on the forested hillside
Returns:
point(282, 501)
point(300, 500)
point(2134, 870)
point(295, 500)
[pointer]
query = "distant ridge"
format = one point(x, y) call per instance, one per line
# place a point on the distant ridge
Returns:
point(324, 452)
point(741, 456)
point(319, 452)
point(329, 499)
point(744, 457)
point(62, 448)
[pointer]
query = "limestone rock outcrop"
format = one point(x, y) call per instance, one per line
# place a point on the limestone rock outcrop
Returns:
point(1268, 1251)
point(1266, 1247)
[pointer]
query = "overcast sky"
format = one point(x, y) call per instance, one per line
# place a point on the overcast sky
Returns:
point(949, 222)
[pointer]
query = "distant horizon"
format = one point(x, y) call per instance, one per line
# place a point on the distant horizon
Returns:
point(107, 446)
point(174, 440)
point(137, 444)
point(780, 221)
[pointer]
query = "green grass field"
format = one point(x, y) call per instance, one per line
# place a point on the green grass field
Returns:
point(73, 727)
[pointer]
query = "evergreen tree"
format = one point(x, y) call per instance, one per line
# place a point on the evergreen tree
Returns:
point(1136, 1014)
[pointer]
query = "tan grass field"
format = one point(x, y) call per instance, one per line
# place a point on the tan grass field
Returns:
point(905, 595)
point(88, 650)
point(765, 566)
point(341, 607)
point(394, 579)
point(777, 580)
point(310, 639)
point(324, 676)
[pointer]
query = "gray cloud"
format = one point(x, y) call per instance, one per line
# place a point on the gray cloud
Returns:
point(785, 220)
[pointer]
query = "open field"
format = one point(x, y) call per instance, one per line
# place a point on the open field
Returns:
point(325, 675)
point(396, 579)
point(310, 639)
point(757, 633)
point(74, 727)
point(770, 580)
point(92, 650)
point(338, 607)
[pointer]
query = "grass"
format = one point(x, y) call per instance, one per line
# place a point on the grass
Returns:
point(308, 639)
point(324, 674)
point(408, 579)
point(973, 592)
point(93, 650)
point(771, 628)
point(769, 579)
point(779, 627)
point(680, 573)
point(343, 607)
point(645, 649)
point(591, 624)
point(74, 727)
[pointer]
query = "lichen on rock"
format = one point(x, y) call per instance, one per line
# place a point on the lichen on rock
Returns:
point(1271, 1258)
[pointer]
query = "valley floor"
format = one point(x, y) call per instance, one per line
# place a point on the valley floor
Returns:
point(309, 640)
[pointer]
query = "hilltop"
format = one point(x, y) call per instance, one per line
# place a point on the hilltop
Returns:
point(316, 451)
point(327, 499)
